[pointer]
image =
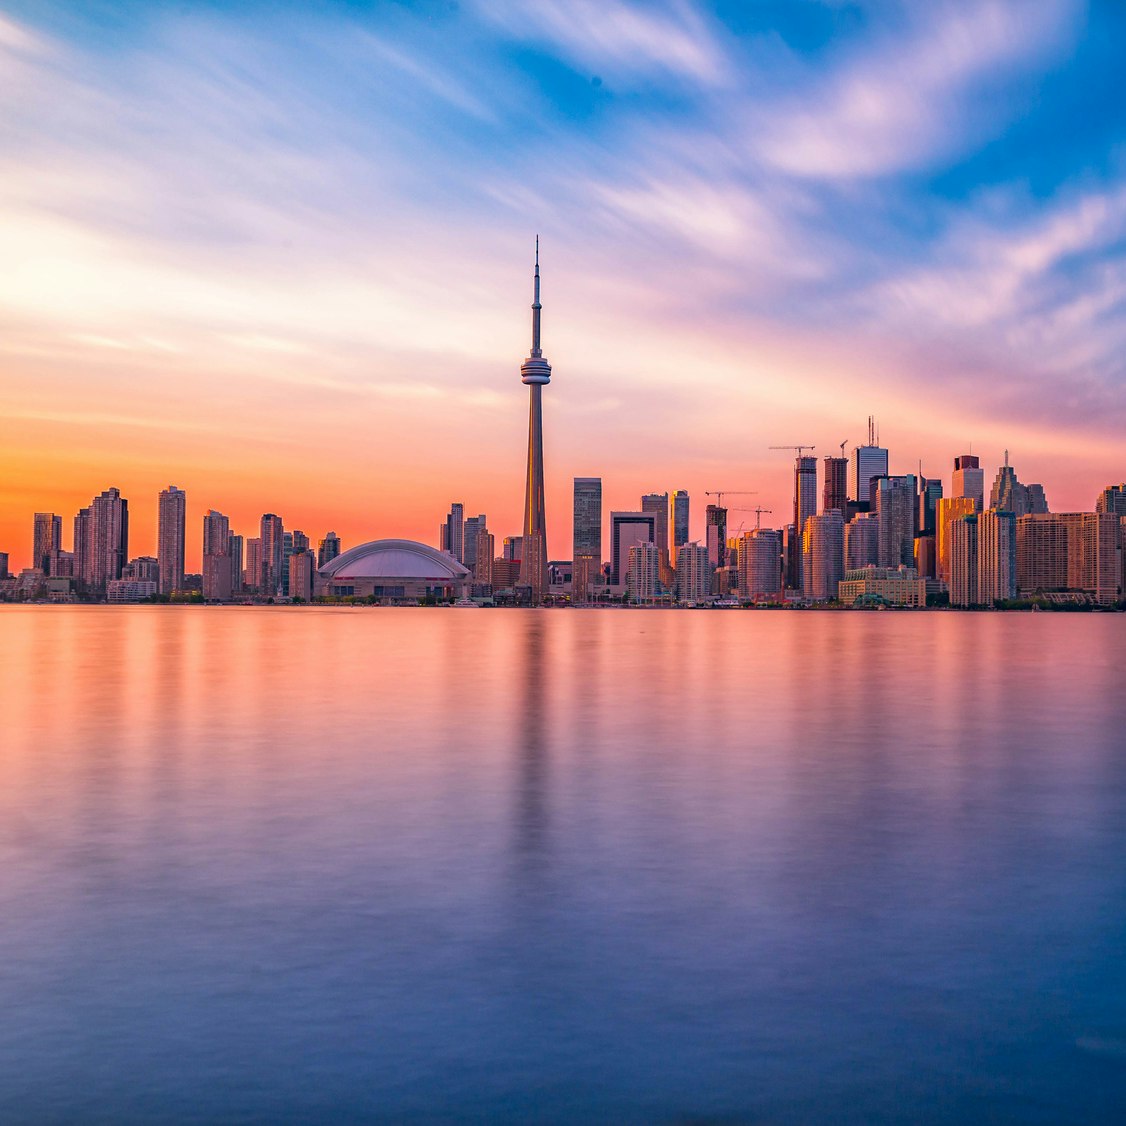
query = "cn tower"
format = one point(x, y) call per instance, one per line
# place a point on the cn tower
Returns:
point(535, 372)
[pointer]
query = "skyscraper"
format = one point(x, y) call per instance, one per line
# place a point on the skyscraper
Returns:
point(969, 480)
point(170, 539)
point(271, 556)
point(834, 491)
point(760, 565)
point(867, 462)
point(252, 572)
point(823, 555)
point(453, 531)
point(103, 532)
point(947, 511)
point(587, 527)
point(896, 502)
point(693, 573)
point(930, 493)
point(996, 556)
point(234, 550)
point(471, 529)
point(83, 547)
point(1112, 499)
point(626, 530)
point(536, 373)
point(1072, 551)
point(862, 541)
point(963, 561)
point(1010, 495)
point(658, 504)
point(47, 536)
point(217, 567)
point(328, 549)
point(805, 506)
point(644, 578)
point(302, 564)
point(679, 519)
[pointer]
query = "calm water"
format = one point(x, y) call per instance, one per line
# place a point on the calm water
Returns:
point(595, 866)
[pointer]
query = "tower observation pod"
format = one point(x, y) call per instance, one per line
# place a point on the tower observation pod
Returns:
point(536, 373)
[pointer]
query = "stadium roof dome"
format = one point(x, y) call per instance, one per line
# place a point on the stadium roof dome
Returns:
point(394, 559)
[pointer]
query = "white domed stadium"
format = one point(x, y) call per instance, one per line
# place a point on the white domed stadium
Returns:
point(391, 570)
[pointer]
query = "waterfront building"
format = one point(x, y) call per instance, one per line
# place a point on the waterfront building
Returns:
point(105, 540)
point(996, 556)
point(1073, 552)
point(715, 526)
point(271, 555)
point(171, 518)
point(392, 571)
point(867, 462)
point(47, 536)
point(643, 581)
point(483, 564)
point(1009, 495)
point(963, 561)
point(679, 519)
point(586, 539)
point(328, 549)
point(472, 528)
point(252, 570)
point(948, 510)
point(805, 505)
point(759, 562)
point(693, 573)
point(130, 590)
point(895, 515)
point(83, 546)
point(861, 541)
point(143, 569)
point(626, 530)
point(217, 565)
point(535, 372)
point(822, 555)
point(584, 571)
point(969, 481)
point(834, 490)
point(234, 551)
point(453, 532)
point(302, 566)
point(898, 586)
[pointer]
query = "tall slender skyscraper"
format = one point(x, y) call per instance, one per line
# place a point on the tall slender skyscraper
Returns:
point(834, 491)
point(170, 539)
point(270, 555)
point(587, 528)
point(867, 462)
point(969, 480)
point(47, 537)
point(535, 372)
point(679, 519)
point(658, 504)
point(805, 506)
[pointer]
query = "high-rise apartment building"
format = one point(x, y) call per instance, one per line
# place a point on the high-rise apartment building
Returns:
point(693, 573)
point(896, 502)
point(805, 506)
point(218, 569)
point(328, 549)
point(963, 561)
point(834, 490)
point(969, 480)
point(862, 541)
point(302, 564)
point(472, 528)
point(1112, 499)
point(715, 527)
point(948, 510)
point(453, 532)
point(486, 548)
point(1069, 551)
point(234, 550)
point(823, 555)
point(658, 504)
point(679, 519)
point(3, 564)
point(759, 556)
point(271, 556)
point(626, 530)
point(102, 540)
point(252, 570)
point(996, 556)
point(171, 518)
point(868, 461)
point(644, 578)
point(47, 536)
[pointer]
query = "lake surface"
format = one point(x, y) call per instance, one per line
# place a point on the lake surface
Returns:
point(297, 864)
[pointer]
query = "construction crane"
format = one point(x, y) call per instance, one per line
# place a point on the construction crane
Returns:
point(721, 493)
point(758, 516)
point(798, 448)
point(843, 444)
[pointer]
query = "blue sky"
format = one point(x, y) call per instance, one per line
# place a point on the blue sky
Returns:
point(761, 223)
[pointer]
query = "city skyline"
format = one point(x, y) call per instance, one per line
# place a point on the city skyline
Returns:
point(947, 260)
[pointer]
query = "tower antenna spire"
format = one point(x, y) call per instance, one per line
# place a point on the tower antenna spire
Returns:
point(536, 350)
